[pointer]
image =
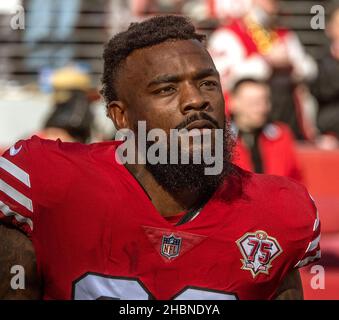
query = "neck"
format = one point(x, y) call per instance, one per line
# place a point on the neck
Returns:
point(166, 204)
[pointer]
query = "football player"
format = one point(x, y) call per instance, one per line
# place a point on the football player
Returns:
point(85, 226)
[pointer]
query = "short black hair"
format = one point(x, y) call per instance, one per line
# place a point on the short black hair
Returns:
point(240, 82)
point(141, 35)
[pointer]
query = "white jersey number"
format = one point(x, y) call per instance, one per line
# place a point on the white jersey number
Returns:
point(94, 286)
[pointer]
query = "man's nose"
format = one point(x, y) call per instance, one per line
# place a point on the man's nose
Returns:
point(192, 100)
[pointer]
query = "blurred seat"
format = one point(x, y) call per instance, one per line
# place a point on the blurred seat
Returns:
point(321, 176)
point(331, 290)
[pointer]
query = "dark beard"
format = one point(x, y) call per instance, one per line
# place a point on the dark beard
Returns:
point(175, 178)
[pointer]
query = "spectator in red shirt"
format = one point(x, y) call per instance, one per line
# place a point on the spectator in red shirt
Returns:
point(262, 146)
point(256, 44)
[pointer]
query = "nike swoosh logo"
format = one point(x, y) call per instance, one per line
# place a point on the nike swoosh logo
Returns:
point(13, 151)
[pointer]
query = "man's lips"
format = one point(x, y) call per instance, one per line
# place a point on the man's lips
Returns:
point(201, 124)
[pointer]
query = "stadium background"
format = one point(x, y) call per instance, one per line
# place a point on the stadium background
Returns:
point(27, 81)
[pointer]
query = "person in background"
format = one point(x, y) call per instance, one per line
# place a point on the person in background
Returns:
point(72, 118)
point(49, 25)
point(326, 86)
point(262, 146)
point(224, 10)
point(255, 43)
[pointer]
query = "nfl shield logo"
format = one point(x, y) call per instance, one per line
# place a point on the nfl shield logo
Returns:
point(170, 246)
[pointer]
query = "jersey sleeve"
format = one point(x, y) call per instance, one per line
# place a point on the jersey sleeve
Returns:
point(17, 205)
point(312, 252)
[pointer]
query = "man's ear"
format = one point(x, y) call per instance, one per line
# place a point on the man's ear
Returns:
point(116, 110)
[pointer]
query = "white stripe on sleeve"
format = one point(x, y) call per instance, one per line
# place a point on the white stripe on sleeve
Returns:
point(15, 171)
point(309, 259)
point(313, 244)
point(8, 212)
point(16, 195)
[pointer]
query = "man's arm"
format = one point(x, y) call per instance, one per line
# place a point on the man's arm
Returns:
point(17, 249)
point(291, 287)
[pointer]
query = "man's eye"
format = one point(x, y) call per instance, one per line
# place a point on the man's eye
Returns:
point(209, 84)
point(165, 90)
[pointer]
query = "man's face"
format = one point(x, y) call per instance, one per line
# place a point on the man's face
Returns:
point(333, 27)
point(250, 106)
point(175, 85)
point(167, 84)
point(271, 7)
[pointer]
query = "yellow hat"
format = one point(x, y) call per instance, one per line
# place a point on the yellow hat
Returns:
point(70, 78)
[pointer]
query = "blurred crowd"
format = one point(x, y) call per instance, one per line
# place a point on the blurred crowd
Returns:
point(276, 93)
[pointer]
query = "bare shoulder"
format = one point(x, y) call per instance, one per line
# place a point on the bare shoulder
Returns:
point(17, 256)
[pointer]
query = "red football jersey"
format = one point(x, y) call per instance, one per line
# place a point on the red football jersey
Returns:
point(277, 148)
point(97, 234)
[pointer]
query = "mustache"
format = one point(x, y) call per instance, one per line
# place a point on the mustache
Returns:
point(196, 117)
